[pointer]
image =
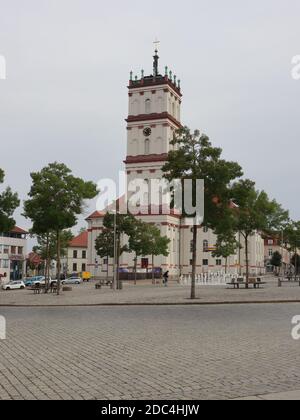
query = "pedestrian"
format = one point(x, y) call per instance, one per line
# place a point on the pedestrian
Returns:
point(166, 278)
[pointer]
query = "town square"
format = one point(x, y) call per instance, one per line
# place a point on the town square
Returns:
point(149, 210)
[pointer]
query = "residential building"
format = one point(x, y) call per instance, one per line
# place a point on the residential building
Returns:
point(76, 258)
point(13, 248)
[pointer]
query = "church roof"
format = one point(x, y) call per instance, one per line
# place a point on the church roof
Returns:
point(17, 229)
point(96, 215)
point(80, 241)
point(156, 78)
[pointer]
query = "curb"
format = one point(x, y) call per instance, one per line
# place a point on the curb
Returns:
point(107, 305)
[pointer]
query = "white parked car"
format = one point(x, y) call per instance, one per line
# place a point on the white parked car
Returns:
point(14, 285)
point(72, 280)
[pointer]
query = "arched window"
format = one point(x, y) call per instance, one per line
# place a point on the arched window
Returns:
point(158, 145)
point(148, 106)
point(135, 147)
point(146, 193)
point(135, 107)
point(147, 146)
point(205, 246)
point(160, 103)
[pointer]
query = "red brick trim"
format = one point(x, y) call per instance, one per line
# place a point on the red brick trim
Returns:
point(165, 82)
point(151, 117)
point(146, 158)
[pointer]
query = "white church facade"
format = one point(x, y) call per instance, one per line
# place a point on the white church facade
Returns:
point(154, 115)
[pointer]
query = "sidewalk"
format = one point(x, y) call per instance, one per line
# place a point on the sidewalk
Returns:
point(148, 294)
point(281, 396)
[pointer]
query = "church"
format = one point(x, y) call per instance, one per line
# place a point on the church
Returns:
point(154, 115)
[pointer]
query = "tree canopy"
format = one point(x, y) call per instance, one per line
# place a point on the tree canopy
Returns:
point(9, 201)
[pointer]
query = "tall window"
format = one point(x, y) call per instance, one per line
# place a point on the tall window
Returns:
point(205, 246)
point(147, 146)
point(173, 110)
point(75, 254)
point(147, 106)
point(205, 229)
point(83, 255)
point(191, 246)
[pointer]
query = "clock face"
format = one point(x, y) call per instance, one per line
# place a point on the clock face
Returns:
point(147, 131)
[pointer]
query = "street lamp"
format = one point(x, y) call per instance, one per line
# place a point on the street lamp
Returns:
point(115, 252)
point(296, 253)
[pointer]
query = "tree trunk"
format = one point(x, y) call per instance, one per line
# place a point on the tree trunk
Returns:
point(135, 269)
point(240, 265)
point(47, 261)
point(58, 261)
point(193, 289)
point(107, 271)
point(247, 259)
point(153, 277)
point(119, 282)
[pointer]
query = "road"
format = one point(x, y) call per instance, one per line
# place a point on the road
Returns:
point(213, 352)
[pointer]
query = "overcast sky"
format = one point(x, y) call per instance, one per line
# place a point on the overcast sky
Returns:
point(68, 63)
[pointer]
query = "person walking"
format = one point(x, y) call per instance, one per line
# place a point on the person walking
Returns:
point(166, 278)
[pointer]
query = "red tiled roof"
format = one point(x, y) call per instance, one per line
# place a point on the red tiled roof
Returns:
point(95, 215)
point(34, 258)
point(16, 229)
point(81, 241)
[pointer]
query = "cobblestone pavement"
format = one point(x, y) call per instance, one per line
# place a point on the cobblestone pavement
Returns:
point(213, 352)
point(148, 294)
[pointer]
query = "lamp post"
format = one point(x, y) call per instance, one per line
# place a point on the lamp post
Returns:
point(115, 252)
point(296, 253)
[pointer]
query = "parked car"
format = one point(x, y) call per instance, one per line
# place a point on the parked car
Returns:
point(72, 280)
point(33, 281)
point(14, 285)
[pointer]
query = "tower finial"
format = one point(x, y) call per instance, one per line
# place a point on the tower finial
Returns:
point(156, 58)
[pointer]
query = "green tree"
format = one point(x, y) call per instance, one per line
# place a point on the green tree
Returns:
point(255, 213)
point(116, 226)
point(56, 198)
point(194, 158)
point(146, 239)
point(158, 245)
point(276, 260)
point(8, 203)
point(137, 243)
point(226, 246)
point(291, 235)
point(46, 247)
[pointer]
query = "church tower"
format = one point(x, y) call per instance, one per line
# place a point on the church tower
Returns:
point(154, 115)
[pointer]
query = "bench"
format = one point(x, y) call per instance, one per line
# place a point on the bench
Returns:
point(37, 289)
point(104, 283)
point(288, 280)
point(256, 283)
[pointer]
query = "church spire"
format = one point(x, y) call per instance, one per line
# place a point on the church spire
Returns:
point(155, 58)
